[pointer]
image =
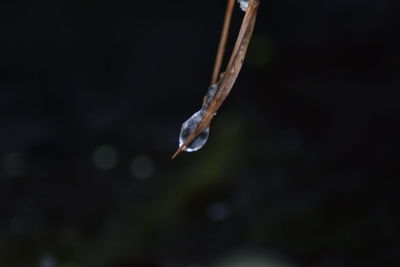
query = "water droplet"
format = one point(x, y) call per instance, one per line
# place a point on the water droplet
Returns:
point(188, 127)
point(210, 95)
point(243, 4)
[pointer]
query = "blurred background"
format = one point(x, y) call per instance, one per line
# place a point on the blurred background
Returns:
point(299, 168)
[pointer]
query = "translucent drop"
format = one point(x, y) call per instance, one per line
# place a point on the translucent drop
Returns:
point(243, 4)
point(210, 95)
point(188, 127)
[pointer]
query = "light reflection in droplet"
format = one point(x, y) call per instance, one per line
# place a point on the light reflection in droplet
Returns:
point(210, 95)
point(244, 4)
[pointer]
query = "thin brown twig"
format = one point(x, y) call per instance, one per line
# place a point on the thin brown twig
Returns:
point(232, 71)
point(222, 43)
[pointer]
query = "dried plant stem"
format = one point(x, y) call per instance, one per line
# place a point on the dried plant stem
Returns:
point(229, 76)
point(222, 43)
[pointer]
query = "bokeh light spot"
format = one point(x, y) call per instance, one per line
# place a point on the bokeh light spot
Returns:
point(218, 211)
point(48, 261)
point(14, 164)
point(105, 157)
point(142, 167)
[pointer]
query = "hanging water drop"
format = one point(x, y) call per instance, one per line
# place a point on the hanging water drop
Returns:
point(188, 127)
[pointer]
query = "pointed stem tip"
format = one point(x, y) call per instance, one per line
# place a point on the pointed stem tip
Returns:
point(180, 149)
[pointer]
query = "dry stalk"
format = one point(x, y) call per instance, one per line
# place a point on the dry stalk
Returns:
point(222, 42)
point(228, 78)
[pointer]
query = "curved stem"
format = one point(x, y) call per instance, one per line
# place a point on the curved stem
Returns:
point(231, 73)
point(222, 43)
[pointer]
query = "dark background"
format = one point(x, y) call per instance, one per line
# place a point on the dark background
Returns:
point(299, 168)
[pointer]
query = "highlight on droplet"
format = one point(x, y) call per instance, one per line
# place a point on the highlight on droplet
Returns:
point(243, 4)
